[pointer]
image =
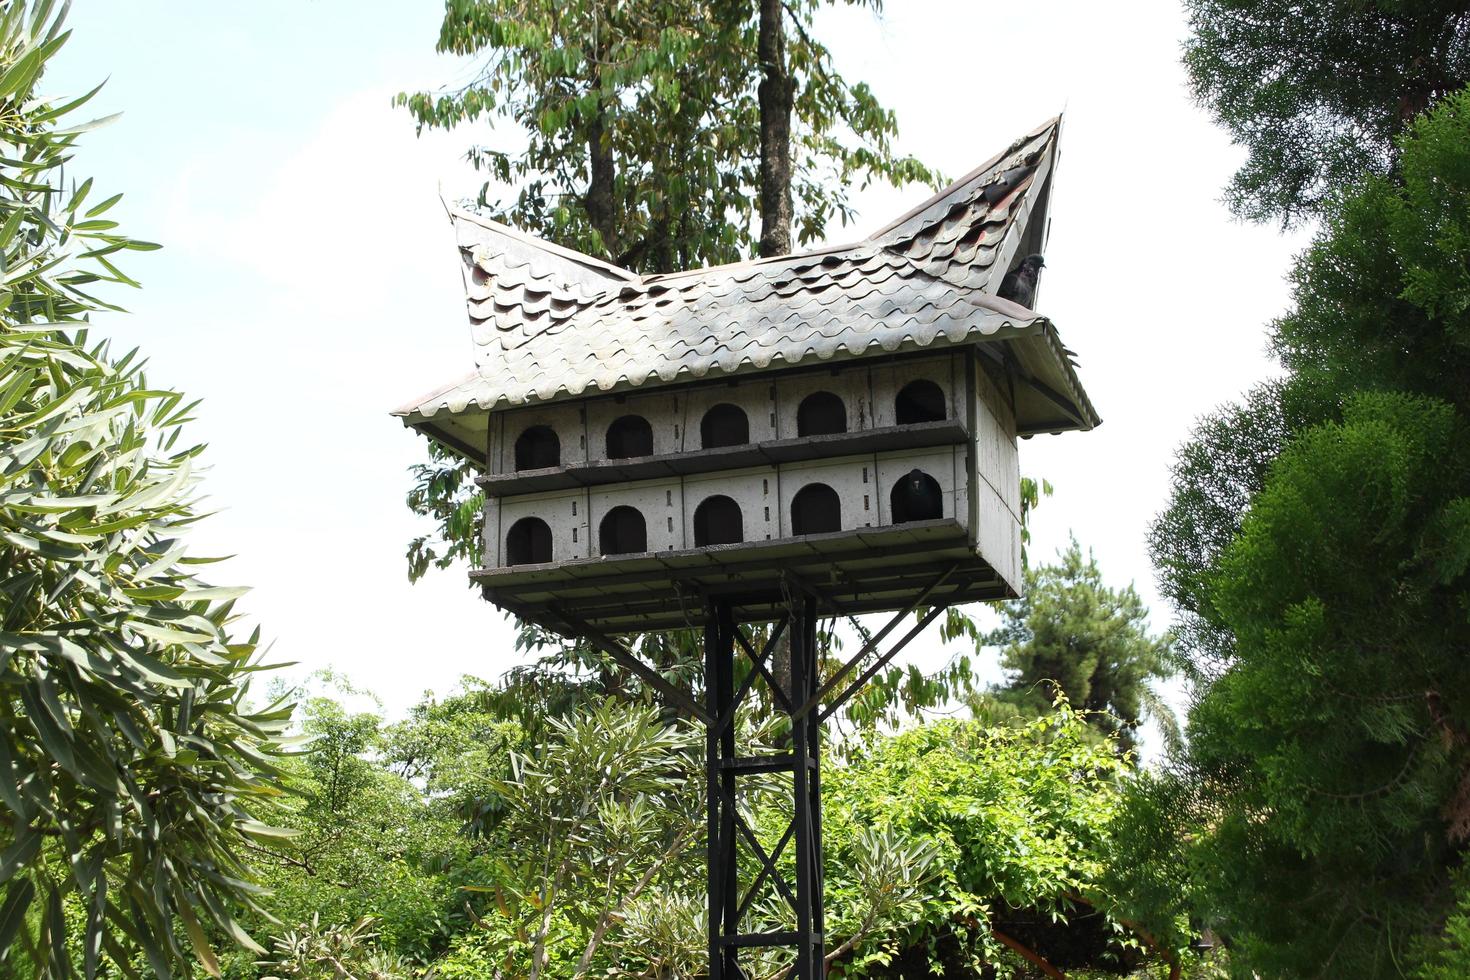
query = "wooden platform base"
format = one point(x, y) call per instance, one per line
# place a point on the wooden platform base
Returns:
point(860, 571)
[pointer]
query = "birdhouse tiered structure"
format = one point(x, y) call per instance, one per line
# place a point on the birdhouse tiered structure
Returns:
point(827, 433)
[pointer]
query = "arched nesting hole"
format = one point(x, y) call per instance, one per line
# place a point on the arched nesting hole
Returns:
point(537, 448)
point(920, 401)
point(815, 509)
point(623, 532)
point(528, 542)
point(916, 497)
point(629, 437)
point(820, 414)
point(724, 425)
point(717, 520)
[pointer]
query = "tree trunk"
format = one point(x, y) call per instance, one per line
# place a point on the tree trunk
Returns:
point(599, 201)
point(600, 190)
point(776, 94)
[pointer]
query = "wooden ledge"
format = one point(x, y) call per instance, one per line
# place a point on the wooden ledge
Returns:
point(920, 435)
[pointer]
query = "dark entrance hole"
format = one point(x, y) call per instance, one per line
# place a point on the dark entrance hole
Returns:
point(629, 437)
point(718, 521)
point(920, 401)
point(724, 425)
point(537, 448)
point(916, 497)
point(528, 543)
point(815, 509)
point(820, 414)
point(623, 532)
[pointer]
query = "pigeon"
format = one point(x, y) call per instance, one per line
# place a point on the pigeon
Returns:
point(1019, 285)
point(1002, 185)
point(917, 497)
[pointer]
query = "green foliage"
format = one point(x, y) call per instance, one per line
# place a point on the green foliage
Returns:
point(368, 844)
point(1336, 719)
point(1147, 869)
point(1382, 294)
point(131, 767)
point(1214, 476)
point(641, 124)
point(595, 815)
point(1072, 631)
point(1324, 788)
point(444, 491)
point(1018, 818)
point(314, 952)
point(1317, 93)
point(1448, 958)
point(589, 861)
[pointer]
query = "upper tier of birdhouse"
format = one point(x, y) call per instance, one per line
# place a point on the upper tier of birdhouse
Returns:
point(841, 420)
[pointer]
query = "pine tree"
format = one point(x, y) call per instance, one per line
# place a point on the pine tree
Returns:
point(1320, 537)
point(1074, 632)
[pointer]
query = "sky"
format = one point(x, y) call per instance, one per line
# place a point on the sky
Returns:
point(309, 283)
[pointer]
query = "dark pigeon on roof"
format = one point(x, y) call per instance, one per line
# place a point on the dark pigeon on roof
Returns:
point(1019, 285)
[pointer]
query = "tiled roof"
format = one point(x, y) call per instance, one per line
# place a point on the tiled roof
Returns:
point(551, 323)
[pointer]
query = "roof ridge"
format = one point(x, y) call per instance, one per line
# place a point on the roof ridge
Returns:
point(612, 271)
point(819, 251)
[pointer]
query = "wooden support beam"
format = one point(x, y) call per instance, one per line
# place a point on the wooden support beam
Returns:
point(878, 664)
point(870, 646)
point(649, 675)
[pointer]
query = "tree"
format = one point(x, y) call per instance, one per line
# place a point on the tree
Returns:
point(593, 818)
point(1073, 632)
point(1020, 821)
point(1328, 777)
point(375, 864)
point(131, 766)
point(1318, 93)
point(648, 126)
point(776, 94)
point(1329, 754)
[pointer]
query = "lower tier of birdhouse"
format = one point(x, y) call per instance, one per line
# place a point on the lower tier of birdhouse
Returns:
point(876, 569)
point(870, 531)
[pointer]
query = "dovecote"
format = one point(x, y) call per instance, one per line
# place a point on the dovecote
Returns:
point(843, 421)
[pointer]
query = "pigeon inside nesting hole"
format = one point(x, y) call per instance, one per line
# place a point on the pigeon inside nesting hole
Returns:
point(1019, 285)
point(916, 497)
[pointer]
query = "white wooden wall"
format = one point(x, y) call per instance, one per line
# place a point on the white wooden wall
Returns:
point(863, 483)
point(997, 480)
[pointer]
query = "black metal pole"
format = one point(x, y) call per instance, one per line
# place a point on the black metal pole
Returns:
point(729, 877)
point(806, 787)
point(814, 787)
point(719, 673)
point(713, 862)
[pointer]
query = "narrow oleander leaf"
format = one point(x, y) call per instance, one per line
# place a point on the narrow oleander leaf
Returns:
point(202, 949)
point(265, 832)
point(12, 913)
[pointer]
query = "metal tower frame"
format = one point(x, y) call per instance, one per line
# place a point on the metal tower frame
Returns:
point(808, 702)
